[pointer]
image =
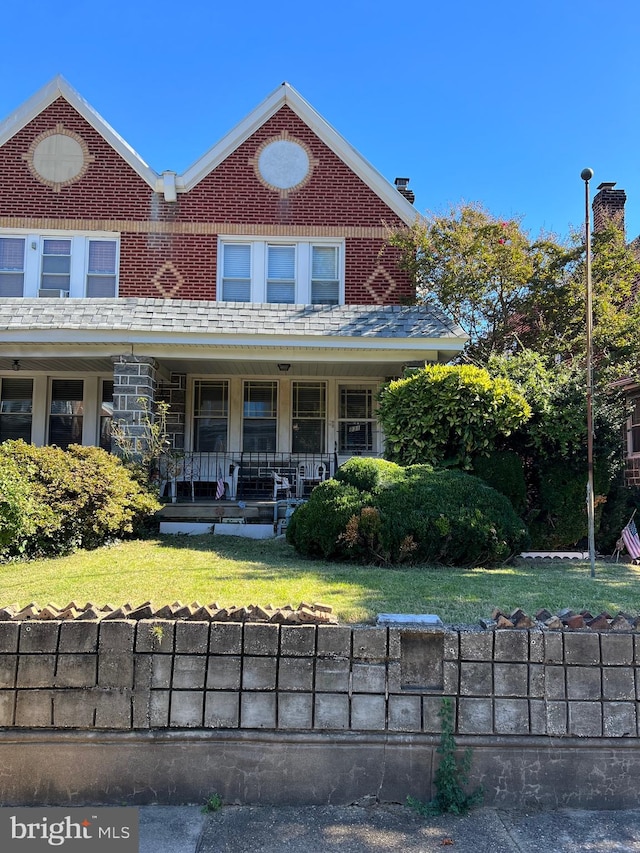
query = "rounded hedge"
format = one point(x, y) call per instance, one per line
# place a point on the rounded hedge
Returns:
point(419, 515)
point(55, 501)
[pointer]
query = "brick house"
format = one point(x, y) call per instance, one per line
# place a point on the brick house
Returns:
point(255, 293)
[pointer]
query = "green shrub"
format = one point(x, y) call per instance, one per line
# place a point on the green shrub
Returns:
point(368, 474)
point(419, 516)
point(315, 528)
point(503, 471)
point(445, 416)
point(81, 497)
point(16, 506)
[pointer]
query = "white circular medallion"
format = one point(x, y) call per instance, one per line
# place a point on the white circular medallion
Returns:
point(283, 164)
point(58, 158)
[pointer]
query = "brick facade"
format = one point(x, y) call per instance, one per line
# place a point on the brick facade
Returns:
point(168, 249)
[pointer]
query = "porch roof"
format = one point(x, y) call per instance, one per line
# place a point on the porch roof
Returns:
point(195, 332)
point(177, 316)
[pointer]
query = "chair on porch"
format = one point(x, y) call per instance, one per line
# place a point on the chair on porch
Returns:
point(281, 483)
point(311, 473)
point(179, 469)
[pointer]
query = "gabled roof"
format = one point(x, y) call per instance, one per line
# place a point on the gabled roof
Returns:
point(58, 87)
point(283, 95)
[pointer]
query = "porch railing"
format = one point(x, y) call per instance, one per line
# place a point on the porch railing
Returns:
point(243, 476)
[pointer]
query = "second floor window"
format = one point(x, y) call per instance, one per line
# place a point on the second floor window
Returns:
point(302, 272)
point(78, 265)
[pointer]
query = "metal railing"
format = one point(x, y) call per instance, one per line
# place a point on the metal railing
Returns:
point(192, 476)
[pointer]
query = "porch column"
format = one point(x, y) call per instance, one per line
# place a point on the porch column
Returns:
point(134, 388)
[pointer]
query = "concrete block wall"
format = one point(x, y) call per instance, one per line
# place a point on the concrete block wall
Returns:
point(165, 674)
point(168, 711)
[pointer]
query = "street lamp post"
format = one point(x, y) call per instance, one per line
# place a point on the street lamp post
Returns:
point(586, 176)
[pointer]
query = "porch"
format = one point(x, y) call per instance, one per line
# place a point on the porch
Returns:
point(244, 494)
point(243, 476)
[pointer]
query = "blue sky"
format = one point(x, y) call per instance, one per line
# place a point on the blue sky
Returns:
point(498, 102)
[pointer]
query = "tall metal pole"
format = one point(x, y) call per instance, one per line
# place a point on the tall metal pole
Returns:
point(586, 176)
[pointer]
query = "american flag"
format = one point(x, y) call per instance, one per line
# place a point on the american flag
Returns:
point(631, 539)
point(219, 489)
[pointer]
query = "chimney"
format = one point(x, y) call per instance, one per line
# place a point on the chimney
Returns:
point(402, 185)
point(608, 206)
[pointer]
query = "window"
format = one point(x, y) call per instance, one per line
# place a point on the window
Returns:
point(634, 429)
point(56, 265)
point(11, 266)
point(210, 415)
point(281, 274)
point(236, 275)
point(260, 419)
point(106, 414)
point(308, 417)
point(52, 265)
point(101, 269)
point(16, 401)
point(355, 420)
point(66, 412)
point(325, 279)
point(299, 272)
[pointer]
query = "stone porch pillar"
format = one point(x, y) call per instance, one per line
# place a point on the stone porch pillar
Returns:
point(134, 393)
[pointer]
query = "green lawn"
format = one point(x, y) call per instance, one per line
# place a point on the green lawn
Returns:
point(234, 571)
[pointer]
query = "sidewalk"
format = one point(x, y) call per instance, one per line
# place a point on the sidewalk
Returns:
point(383, 829)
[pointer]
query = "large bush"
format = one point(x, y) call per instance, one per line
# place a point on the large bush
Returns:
point(447, 415)
point(54, 501)
point(417, 516)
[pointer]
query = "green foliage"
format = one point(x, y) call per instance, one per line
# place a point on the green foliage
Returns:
point(503, 471)
point(418, 516)
point(552, 445)
point(452, 775)
point(368, 474)
point(448, 415)
point(213, 804)
point(480, 267)
point(67, 499)
point(16, 506)
point(315, 528)
point(143, 454)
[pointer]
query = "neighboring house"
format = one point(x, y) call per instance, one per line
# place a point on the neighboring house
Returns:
point(255, 293)
point(608, 206)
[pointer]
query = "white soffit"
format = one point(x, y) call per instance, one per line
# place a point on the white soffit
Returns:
point(58, 87)
point(287, 95)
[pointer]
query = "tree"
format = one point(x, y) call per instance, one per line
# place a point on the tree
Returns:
point(480, 269)
point(507, 291)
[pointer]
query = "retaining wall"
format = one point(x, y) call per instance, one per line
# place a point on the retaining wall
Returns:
point(170, 711)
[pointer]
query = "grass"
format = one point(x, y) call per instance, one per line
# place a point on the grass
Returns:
point(234, 571)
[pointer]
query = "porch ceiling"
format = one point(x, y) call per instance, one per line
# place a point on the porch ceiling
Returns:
point(203, 366)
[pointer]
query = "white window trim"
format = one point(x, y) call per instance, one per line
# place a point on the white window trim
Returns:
point(303, 265)
point(79, 256)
